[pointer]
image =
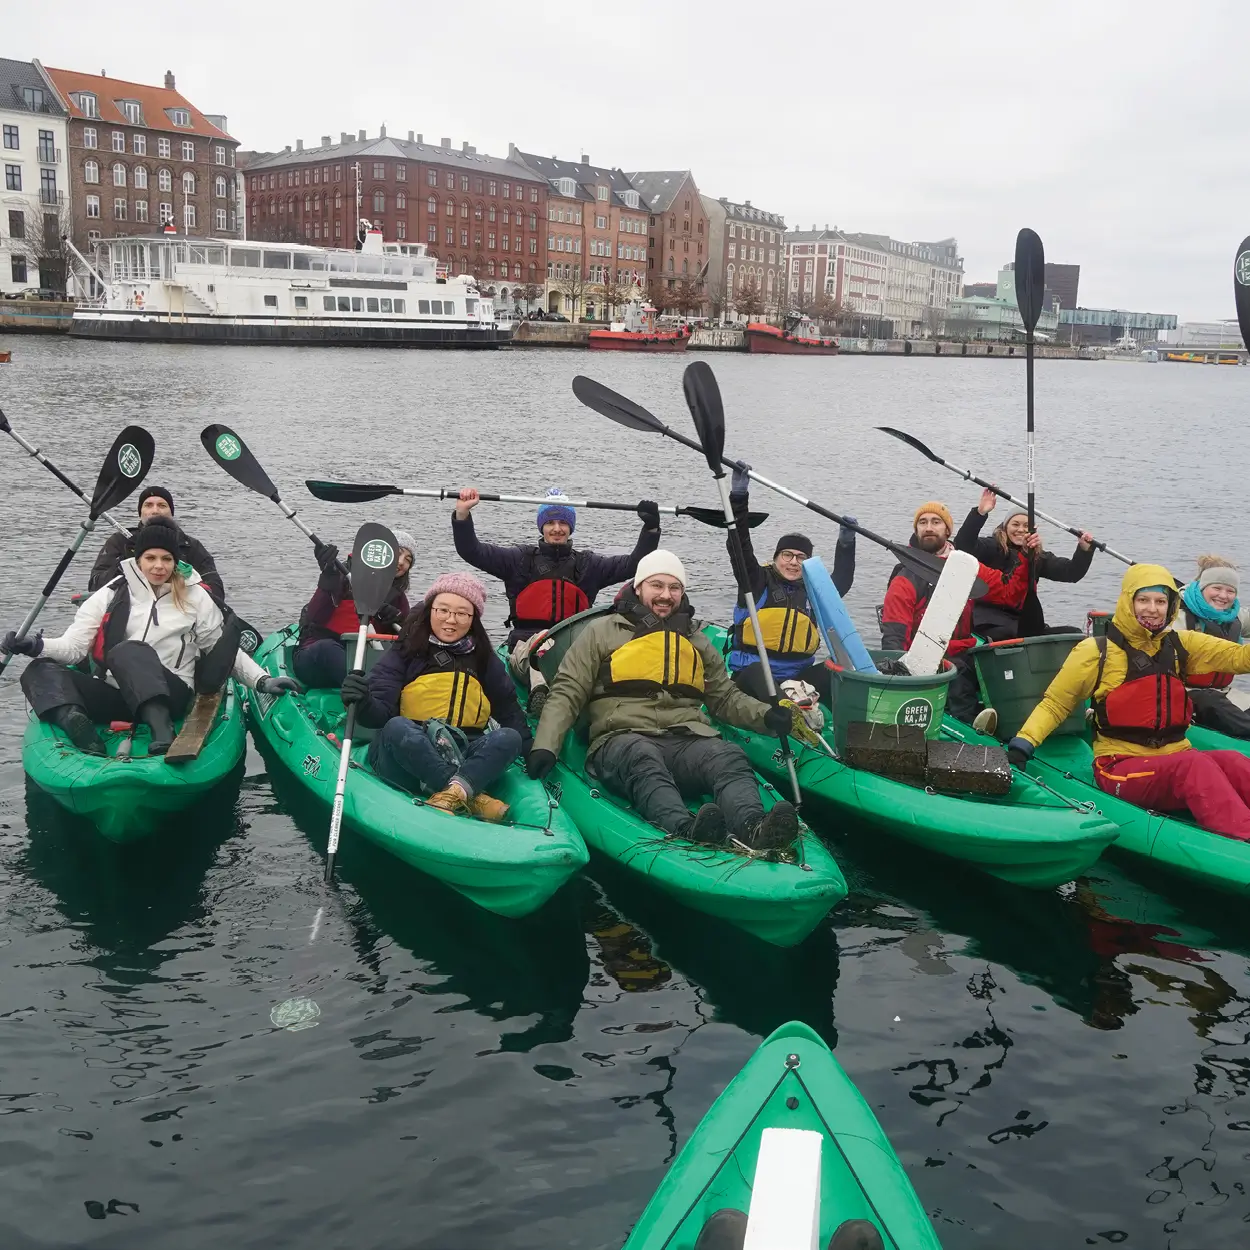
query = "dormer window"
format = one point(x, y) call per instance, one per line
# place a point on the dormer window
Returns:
point(132, 112)
point(33, 98)
point(601, 192)
point(630, 198)
point(87, 104)
point(180, 117)
point(567, 187)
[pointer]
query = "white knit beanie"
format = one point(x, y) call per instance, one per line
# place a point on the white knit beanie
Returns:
point(659, 562)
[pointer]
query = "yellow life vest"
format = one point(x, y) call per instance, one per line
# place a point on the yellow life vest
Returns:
point(455, 697)
point(787, 632)
point(656, 660)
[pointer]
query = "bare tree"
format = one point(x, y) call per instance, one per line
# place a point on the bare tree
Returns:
point(615, 291)
point(690, 298)
point(934, 321)
point(44, 246)
point(573, 287)
point(531, 293)
point(283, 230)
point(659, 296)
point(715, 300)
point(748, 297)
point(827, 310)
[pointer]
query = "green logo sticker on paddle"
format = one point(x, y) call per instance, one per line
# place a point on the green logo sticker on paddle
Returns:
point(1241, 269)
point(129, 461)
point(377, 554)
point(228, 447)
point(915, 712)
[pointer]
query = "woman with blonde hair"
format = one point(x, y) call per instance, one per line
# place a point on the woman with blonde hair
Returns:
point(1212, 606)
point(154, 638)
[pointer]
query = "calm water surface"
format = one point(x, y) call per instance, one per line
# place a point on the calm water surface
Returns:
point(1055, 1070)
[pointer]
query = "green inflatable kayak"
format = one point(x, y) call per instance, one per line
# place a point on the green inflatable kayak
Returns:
point(780, 901)
point(511, 869)
point(1031, 836)
point(792, 1082)
point(127, 794)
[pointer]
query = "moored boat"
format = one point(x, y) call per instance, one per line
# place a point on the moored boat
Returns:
point(636, 331)
point(801, 337)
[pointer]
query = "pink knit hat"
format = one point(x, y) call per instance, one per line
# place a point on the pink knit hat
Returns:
point(463, 584)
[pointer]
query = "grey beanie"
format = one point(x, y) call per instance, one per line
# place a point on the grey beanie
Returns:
point(1219, 575)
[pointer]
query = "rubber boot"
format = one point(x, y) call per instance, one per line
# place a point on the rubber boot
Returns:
point(155, 715)
point(708, 826)
point(725, 1229)
point(78, 728)
point(777, 830)
point(856, 1235)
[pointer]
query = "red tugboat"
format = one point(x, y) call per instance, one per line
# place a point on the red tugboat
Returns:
point(637, 332)
point(801, 337)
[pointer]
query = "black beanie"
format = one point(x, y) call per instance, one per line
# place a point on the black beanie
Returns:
point(794, 542)
point(160, 492)
point(158, 533)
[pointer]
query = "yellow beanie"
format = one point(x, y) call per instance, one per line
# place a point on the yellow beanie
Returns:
point(939, 509)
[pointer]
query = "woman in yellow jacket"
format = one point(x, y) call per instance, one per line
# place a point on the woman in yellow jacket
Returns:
point(1136, 678)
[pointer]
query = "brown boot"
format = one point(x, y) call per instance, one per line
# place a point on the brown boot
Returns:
point(451, 800)
point(486, 808)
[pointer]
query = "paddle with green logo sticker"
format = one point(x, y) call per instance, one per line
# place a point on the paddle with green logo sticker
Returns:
point(124, 468)
point(375, 557)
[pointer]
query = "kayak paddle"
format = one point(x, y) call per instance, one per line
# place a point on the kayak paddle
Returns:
point(1030, 287)
point(375, 556)
point(633, 416)
point(912, 441)
point(1241, 288)
point(124, 468)
point(366, 492)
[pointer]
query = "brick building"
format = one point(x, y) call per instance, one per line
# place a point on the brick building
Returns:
point(478, 213)
point(746, 246)
point(596, 231)
point(677, 240)
point(140, 156)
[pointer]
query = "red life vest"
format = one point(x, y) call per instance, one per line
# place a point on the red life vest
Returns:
point(1009, 591)
point(1231, 631)
point(551, 593)
point(344, 619)
point(1150, 706)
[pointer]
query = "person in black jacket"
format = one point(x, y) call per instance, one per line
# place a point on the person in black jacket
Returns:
point(1011, 608)
point(443, 668)
point(154, 501)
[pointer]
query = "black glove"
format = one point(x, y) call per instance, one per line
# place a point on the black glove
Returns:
point(846, 535)
point(31, 645)
point(278, 685)
point(779, 719)
point(893, 668)
point(1019, 752)
point(740, 482)
point(355, 689)
point(539, 763)
point(649, 513)
point(326, 554)
point(388, 615)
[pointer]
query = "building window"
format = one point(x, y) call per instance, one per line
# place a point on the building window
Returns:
point(90, 171)
point(133, 113)
point(401, 200)
point(533, 247)
point(431, 205)
point(379, 169)
point(451, 208)
point(464, 182)
point(93, 206)
point(401, 230)
point(188, 182)
point(490, 241)
point(141, 210)
point(431, 177)
point(379, 201)
point(491, 187)
point(119, 210)
point(188, 216)
point(188, 150)
point(464, 210)
point(17, 223)
point(162, 147)
point(450, 236)
point(87, 104)
point(219, 186)
point(166, 212)
point(88, 137)
point(401, 172)
point(219, 154)
point(11, 139)
point(464, 238)
point(338, 198)
point(93, 237)
point(18, 268)
point(13, 177)
point(119, 175)
point(220, 216)
point(119, 140)
point(451, 182)
point(431, 234)
point(164, 180)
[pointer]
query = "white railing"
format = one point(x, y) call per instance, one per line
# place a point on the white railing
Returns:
point(135, 273)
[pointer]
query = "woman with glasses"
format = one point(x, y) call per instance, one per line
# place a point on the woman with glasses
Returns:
point(435, 695)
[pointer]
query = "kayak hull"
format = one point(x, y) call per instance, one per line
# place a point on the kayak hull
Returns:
point(861, 1176)
point(510, 869)
point(134, 796)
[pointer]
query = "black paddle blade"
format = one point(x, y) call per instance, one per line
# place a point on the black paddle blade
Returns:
point(911, 442)
point(126, 465)
point(716, 518)
point(5, 427)
point(615, 406)
point(375, 556)
point(704, 401)
point(350, 492)
point(1241, 288)
point(232, 453)
point(1030, 277)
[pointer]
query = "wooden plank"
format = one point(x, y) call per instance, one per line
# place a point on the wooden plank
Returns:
point(195, 728)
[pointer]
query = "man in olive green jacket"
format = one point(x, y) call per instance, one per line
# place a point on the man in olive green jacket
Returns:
point(643, 673)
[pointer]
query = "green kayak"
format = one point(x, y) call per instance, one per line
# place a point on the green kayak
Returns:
point(793, 1082)
point(1030, 836)
point(127, 794)
point(511, 869)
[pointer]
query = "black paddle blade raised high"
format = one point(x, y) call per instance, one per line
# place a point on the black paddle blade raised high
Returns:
point(708, 410)
point(5, 427)
point(716, 519)
point(125, 466)
point(1241, 288)
point(911, 441)
point(1030, 277)
point(350, 492)
point(232, 453)
point(375, 557)
point(615, 406)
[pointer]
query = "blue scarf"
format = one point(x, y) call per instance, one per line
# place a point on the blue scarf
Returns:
point(1192, 597)
point(462, 646)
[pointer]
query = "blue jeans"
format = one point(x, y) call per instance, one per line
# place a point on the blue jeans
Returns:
point(403, 755)
point(321, 665)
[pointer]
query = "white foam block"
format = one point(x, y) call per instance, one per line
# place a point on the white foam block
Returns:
point(785, 1198)
point(942, 614)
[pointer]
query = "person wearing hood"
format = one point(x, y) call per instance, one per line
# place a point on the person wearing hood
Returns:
point(1211, 606)
point(1136, 677)
point(1010, 608)
point(154, 637)
point(320, 660)
point(443, 669)
point(791, 637)
point(643, 674)
point(155, 503)
point(550, 580)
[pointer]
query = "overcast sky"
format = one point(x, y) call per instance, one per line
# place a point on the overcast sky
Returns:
point(1116, 130)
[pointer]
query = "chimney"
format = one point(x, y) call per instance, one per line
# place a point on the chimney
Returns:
point(747, 204)
point(325, 141)
point(410, 134)
point(420, 138)
point(464, 147)
point(169, 80)
point(585, 159)
point(447, 144)
point(361, 136)
point(514, 153)
point(382, 131)
point(287, 148)
point(299, 145)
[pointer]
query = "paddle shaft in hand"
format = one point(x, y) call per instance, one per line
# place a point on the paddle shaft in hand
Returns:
point(625, 412)
point(1241, 288)
point(969, 476)
point(375, 557)
point(124, 468)
point(704, 401)
point(1030, 272)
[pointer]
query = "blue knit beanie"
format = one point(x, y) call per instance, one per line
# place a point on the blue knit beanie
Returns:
point(556, 511)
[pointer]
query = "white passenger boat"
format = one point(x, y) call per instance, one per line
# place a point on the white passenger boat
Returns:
point(171, 288)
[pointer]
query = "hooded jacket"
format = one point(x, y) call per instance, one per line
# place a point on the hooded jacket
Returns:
point(1077, 679)
point(179, 636)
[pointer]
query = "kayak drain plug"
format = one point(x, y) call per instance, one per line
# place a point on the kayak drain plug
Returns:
point(792, 1102)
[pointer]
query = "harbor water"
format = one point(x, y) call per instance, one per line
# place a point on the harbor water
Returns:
point(202, 1046)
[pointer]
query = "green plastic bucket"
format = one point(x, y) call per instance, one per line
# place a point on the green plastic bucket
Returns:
point(1098, 622)
point(1013, 676)
point(561, 637)
point(880, 700)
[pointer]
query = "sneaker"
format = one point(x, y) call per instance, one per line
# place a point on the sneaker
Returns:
point(708, 826)
point(777, 830)
point(537, 701)
point(985, 721)
point(486, 808)
point(79, 730)
point(856, 1235)
point(451, 800)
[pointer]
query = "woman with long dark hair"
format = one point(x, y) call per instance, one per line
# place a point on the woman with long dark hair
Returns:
point(443, 669)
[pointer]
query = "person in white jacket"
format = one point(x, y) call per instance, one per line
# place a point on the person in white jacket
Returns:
point(150, 633)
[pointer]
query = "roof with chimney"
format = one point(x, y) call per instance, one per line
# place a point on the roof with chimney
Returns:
point(14, 76)
point(659, 187)
point(585, 175)
point(748, 212)
point(156, 104)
